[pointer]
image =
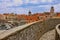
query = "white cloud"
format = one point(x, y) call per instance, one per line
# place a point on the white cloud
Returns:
point(50, 0)
point(6, 3)
point(31, 1)
point(38, 1)
point(47, 7)
point(34, 1)
point(46, 0)
point(17, 2)
point(43, 0)
point(5, 0)
point(26, 1)
point(21, 2)
point(15, 10)
point(57, 7)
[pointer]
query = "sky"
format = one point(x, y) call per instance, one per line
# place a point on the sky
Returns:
point(23, 6)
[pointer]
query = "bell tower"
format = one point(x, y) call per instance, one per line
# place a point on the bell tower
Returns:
point(52, 10)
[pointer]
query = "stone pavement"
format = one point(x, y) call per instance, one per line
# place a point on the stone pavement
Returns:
point(49, 35)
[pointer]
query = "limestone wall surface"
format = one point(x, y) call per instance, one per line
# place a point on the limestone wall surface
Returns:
point(57, 32)
point(32, 31)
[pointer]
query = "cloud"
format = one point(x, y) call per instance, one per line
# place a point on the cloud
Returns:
point(34, 1)
point(19, 10)
point(37, 5)
point(46, 1)
point(17, 2)
point(26, 1)
point(5, 0)
point(38, 1)
point(21, 2)
point(57, 7)
point(47, 7)
point(10, 2)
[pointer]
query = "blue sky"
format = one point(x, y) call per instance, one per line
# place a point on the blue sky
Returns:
point(23, 6)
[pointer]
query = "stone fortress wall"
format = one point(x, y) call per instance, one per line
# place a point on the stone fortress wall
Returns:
point(32, 31)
